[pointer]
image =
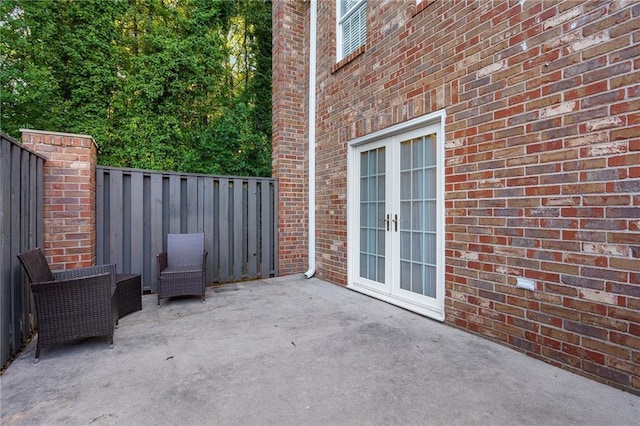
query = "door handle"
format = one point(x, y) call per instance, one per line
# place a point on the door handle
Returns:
point(395, 222)
point(386, 221)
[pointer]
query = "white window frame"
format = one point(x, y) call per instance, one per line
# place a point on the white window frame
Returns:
point(340, 21)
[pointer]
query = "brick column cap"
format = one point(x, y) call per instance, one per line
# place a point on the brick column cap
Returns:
point(62, 134)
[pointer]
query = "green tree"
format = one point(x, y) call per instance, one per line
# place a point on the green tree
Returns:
point(149, 79)
point(173, 82)
point(58, 68)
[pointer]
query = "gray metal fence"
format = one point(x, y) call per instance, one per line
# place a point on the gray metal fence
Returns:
point(136, 209)
point(21, 225)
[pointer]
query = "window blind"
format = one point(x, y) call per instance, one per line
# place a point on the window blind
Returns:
point(353, 23)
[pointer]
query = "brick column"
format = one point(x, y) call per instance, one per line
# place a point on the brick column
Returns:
point(69, 196)
point(290, 135)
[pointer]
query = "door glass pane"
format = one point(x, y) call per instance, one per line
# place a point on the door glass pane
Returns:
point(405, 156)
point(430, 281)
point(372, 189)
point(363, 265)
point(418, 221)
point(371, 247)
point(363, 190)
point(372, 267)
point(363, 214)
point(430, 150)
point(417, 245)
point(417, 184)
point(430, 248)
point(372, 204)
point(373, 215)
point(405, 185)
point(373, 160)
point(364, 165)
point(430, 182)
point(405, 249)
point(418, 153)
point(417, 215)
point(380, 248)
point(381, 214)
point(416, 278)
point(381, 261)
point(430, 216)
point(405, 215)
point(405, 275)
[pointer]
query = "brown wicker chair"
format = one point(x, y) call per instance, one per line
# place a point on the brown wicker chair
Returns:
point(181, 269)
point(71, 304)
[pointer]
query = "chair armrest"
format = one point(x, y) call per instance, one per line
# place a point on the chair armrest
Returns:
point(68, 274)
point(161, 259)
point(75, 290)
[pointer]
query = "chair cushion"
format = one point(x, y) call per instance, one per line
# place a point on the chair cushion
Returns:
point(182, 268)
point(185, 249)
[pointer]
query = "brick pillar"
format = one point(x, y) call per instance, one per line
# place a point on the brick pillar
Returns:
point(290, 137)
point(69, 196)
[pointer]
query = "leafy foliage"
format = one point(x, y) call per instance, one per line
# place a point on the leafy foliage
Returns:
point(181, 85)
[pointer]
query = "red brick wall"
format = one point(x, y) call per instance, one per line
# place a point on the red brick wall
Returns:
point(542, 161)
point(290, 137)
point(69, 196)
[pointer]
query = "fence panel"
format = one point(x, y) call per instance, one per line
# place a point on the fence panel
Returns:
point(136, 209)
point(21, 229)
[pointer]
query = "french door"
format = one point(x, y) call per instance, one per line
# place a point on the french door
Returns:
point(396, 243)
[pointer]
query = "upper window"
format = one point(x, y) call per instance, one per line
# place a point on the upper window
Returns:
point(352, 26)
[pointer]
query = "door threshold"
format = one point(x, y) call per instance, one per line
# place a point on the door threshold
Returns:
point(423, 310)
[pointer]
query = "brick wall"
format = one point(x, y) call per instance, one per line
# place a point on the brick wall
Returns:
point(69, 196)
point(542, 161)
point(290, 137)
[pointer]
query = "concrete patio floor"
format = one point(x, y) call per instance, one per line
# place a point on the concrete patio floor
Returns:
point(290, 351)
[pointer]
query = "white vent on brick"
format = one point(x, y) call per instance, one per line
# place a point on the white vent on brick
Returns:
point(353, 25)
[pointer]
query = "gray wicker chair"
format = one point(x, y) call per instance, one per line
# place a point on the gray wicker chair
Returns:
point(181, 269)
point(71, 304)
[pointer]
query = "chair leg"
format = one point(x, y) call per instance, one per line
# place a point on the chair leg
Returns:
point(37, 359)
point(111, 341)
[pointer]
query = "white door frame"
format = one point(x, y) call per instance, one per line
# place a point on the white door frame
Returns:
point(433, 310)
